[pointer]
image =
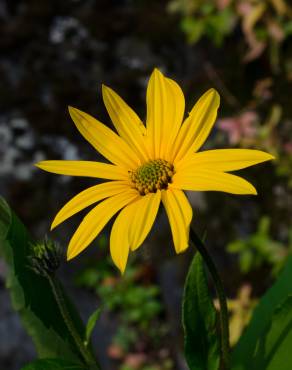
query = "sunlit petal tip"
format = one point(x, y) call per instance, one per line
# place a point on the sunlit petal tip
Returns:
point(38, 164)
point(120, 264)
point(157, 73)
point(213, 92)
point(42, 165)
point(122, 268)
point(105, 89)
point(182, 249)
point(270, 157)
point(250, 190)
point(71, 109)
point(70, 256)
point(53, 225)
point(216, 95)
point(73, 250)
point(156, 70)
point(107, 93)
point(73, 113)
point(119, 242)
point(266, 156)
point(254, 192)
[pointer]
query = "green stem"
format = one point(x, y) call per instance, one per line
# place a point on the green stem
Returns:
point(59, 296)
point(223, 313)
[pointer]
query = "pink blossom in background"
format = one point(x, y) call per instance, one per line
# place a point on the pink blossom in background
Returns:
point(240, 127)
point(222, 4)
point(288, 147)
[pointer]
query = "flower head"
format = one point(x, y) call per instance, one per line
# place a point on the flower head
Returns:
point(151, 163)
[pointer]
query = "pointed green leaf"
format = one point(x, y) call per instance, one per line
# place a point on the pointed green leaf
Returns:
point(31, 294)
point(254, 349)
point(53, 364)
point(91, 324)
point(199, 320)
point(277, 342)
point(273, 351)
point(5, 218)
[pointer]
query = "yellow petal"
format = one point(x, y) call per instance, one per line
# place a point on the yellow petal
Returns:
point(104, 140)
point(119, 238)
point(176, 109)
point(84, 168)
point(132, 226)
point(165, 109)
point(197, 126)
point(208, 180)
point(88, 197)
point(179, 213)
point(96, 219)
point(156, 110)
point(143, 216)
point(126, 122)
point(223, 159)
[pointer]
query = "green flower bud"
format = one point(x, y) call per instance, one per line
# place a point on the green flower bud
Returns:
point(45, 257)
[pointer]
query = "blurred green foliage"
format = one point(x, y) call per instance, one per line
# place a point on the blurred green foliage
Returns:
point(211, 23)
point(32, 295)
point(263, 23)
point(135, 301)
point(240, 309)
point(53, 364)
point(259, 248)
point(266, 343)
point(254, 95)
point(47, 313)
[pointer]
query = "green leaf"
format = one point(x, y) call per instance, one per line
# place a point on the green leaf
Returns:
point(194, 29)
point(53, 364)
point(278, 340)
point(255, 349)
point(91, 324)
point(274, 344)
point(31, 294)
point(5, 218)
point(199, 320)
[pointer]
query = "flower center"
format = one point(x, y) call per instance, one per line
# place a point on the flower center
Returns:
point(151, 176)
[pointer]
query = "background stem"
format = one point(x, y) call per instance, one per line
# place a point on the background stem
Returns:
point(223, 313)
point(85, 353)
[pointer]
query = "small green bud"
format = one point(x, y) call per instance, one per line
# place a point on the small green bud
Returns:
point(45, 257)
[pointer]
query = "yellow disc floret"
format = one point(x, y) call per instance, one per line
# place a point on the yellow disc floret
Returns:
point(151, 176)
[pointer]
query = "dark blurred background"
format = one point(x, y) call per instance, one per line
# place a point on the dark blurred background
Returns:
point(58, 53)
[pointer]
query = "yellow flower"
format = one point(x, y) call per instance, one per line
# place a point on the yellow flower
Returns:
point(150, 164)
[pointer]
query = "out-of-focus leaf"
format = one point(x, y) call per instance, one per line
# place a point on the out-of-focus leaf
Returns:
point(91, 324)
point(246, 260)
point(280, 6)
point(278, 340)
point(53, 364)
point(252, 17)
point(31, 294)
point(199, 321)
point(274, 344)
point(194, 29)
point(5, 218)
point(288, 28)
point(267, 338)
